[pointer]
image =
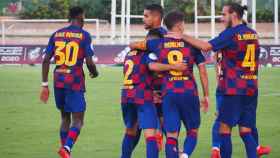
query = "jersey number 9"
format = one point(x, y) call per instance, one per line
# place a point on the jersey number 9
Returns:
point(175, 57)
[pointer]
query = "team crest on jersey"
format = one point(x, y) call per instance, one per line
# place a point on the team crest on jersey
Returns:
point(153, 56)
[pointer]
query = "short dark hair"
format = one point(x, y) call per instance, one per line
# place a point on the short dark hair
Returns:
point(173, 18)
point(237, 8)
point(155, 33)
point(155, 8)
point(74, 12)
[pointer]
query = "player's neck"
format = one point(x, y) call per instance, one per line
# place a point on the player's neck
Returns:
point(176, 30)
point(156, 26)
point(73, 23)
point(236, 23)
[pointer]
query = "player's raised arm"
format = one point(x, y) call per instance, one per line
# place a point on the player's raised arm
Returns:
point(215, 44)
point(200, 44)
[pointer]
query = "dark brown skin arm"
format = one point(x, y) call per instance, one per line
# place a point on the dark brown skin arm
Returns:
point(46, 67)
point(91, 67)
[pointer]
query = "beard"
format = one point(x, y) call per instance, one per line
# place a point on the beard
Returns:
point(148, 27)
point(229, 24)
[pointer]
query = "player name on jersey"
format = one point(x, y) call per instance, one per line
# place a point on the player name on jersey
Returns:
point(69, 35)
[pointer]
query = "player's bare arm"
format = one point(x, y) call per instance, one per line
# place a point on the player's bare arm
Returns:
point(44, 96)
point(139, 45)
point(204, 82)
point(200, 44)
point(158, 67)
point(91, 67)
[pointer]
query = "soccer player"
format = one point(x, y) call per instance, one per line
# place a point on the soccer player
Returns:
point(137, 102)
point(179, 88)
point(238, 81)
point(70, 46)
point(153, 15)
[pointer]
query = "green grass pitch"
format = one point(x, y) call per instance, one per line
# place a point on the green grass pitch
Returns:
point(29, 129)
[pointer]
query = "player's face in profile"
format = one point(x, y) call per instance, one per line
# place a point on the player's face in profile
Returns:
point(226, 17)
point(148, 19)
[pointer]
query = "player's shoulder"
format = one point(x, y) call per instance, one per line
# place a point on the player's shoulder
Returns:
point(86, 33)
point(162, 30)
point(249, 29)
point(228, 32)
point(154, 43)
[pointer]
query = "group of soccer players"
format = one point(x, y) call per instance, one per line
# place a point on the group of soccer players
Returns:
point(159, 89)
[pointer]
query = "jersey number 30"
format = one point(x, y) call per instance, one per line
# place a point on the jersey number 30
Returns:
point(64, 55)
point(249, 59)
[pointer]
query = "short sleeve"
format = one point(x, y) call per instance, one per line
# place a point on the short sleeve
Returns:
point(88, 47)
point(152, 45)
point(51, 46)
point(151, 57)
point(198, 56)
point(223, 40)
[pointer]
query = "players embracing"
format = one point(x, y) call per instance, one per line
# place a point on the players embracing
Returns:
point(237, 90)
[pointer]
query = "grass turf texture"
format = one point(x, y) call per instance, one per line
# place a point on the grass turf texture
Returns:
point(29, 129)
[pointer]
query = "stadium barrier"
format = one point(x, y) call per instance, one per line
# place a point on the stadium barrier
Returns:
point(110, 54)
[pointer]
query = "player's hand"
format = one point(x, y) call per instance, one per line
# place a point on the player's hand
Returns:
point(140, 45)
point(93, 75)
point(204, 103)
point(180, 67)
point(174, 35)
point(44, 96)
point(156, 97)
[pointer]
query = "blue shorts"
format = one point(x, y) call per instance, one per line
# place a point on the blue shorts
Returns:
point(218, 102)
point(159, 109)
point(238, 109)
point(145, 115)
point(179, 107)
point(69, 100)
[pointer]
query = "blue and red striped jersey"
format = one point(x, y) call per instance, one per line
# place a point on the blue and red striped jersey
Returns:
point(70, 46)
point(137, 79)
point(172, 51)
point(240, 49)
point(158, 78)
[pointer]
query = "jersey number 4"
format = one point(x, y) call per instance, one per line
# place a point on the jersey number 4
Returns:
point(130, 65)
point(249, 59)
point(67, 53)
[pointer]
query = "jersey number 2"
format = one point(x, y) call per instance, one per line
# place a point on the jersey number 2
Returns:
point(249, 59)
point(64, 56)
point(128, 72)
